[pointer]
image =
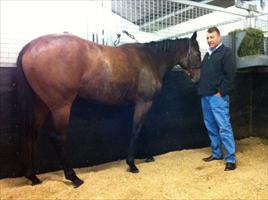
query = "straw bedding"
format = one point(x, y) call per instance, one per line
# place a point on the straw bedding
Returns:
point(175, 175)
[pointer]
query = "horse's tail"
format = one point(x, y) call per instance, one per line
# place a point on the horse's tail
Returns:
point(25, 113)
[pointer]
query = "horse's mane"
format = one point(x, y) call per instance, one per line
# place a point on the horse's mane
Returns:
point(167, 45)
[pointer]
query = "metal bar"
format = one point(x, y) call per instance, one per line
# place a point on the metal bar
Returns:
point(206, 27)
point(206, 6)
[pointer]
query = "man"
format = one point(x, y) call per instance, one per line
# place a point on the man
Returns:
point(217, 74)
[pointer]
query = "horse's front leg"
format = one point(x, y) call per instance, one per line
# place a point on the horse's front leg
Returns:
point(145, 142)
point(140, 112)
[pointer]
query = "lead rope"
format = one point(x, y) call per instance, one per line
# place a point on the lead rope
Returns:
point(117, 41)
point(129, 35)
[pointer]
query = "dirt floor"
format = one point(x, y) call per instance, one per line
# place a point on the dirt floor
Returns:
point(175, 175)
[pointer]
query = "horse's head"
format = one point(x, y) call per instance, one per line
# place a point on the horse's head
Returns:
point(191, 60)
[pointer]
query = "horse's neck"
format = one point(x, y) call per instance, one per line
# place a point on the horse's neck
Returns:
point(166, 60)
point(165, 63)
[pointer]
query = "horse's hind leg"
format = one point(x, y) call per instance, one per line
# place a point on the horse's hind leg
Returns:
point(40, 115)
point(60, 117)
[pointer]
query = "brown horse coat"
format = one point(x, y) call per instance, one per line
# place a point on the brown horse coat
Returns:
point(60, 67)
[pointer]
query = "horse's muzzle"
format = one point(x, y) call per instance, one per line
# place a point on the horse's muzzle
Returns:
point(194, 74)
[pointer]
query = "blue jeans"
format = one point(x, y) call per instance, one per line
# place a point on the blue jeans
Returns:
point(217, 121)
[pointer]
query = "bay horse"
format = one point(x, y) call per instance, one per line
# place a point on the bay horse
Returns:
point(53, 69)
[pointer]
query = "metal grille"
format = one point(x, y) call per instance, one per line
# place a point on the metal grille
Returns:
point(155, 15)
point(9, 47)
point(262, 25)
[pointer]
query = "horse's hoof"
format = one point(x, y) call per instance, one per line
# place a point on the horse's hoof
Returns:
point(36, 182)
point(149, 159)
point(134, 170)
point(34, 179)
point(77, 182)
point(132, 167)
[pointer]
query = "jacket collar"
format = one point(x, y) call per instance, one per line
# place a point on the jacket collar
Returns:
point(210, 50)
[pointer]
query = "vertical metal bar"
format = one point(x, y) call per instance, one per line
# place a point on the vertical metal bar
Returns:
point(135, 12)
point(153, 13)
point(140, 11)
point(190, 14)
point(173, 11)
point(144, 14)
point(116, 6)
point(149, 14)
point(165, 14)
point(162, 13)
point(157, 11)
point(169, 11)
point(121, 8)
point(126, 6)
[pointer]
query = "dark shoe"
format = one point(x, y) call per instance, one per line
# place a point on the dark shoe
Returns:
point(210, 158)
point(230, 166)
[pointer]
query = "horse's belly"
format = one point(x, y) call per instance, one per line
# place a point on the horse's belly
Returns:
point(108, 93)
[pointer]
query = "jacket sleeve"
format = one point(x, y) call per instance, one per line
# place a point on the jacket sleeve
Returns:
point(228, 70)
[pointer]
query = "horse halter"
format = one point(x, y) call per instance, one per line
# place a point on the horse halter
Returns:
point(189, 56)
point(189, 70)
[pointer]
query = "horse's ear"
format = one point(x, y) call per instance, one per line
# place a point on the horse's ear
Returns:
point(194, 36)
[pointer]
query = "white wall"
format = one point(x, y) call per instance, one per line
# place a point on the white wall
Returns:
point(22, 21)
point(33, 18)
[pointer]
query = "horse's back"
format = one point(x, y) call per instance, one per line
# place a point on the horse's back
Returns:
point(120, 75)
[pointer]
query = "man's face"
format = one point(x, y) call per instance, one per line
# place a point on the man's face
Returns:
point(213, 39)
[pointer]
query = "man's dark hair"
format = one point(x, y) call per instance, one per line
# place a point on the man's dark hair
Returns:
point(214, 29)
